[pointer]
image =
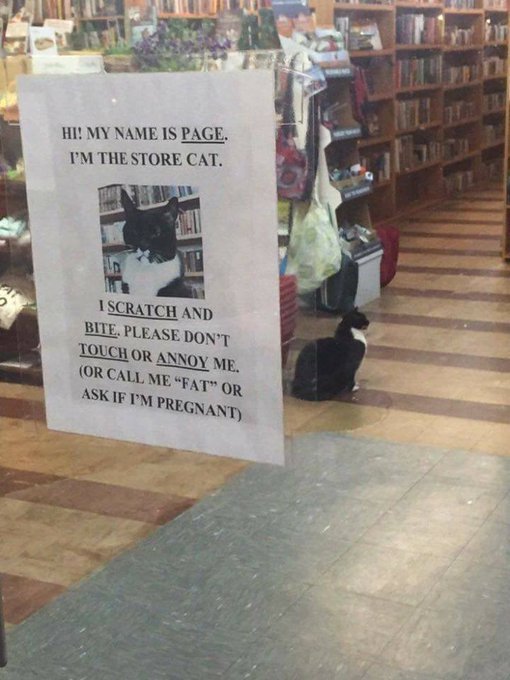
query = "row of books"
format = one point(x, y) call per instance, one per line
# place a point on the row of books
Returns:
point(208, 7)
point(409, 153)
point(413, 112)
point(90, 38)
point(422, 71)
point(113, 285)
point(88, 9)
point(197, 289)
point(460, 4)
point(493, 132)
point(458, 36)
point(193, 259)
point(142, 196)
point(496, 4)
point(189, 223)
point(494, 169)
point(112, 234)
point(377, 163)
point(493, 101)
point(494, 66)
point(459, 110)
point(459, 181)
point(187, 6)
point(496, 32)
point(460, 75)
point(367, 2)
point(359, 34)
point(418, 29)
point(455, 146)
point(112, 264)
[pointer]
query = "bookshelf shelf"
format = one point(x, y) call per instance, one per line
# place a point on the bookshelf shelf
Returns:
point(375, 141)
point(499, 76)
point(362, 7)
point(418, 128)
point(459, 123)
point(492, 145)
point(419, 88)
point(418, 48)
point(462, 48)
point(419, 5)
point(461, 86)
point(370, 54)
point(114, 247)
point(381, 96)
point(107, 17)
point(460, 12)
point(462, 157)
point(170, 15)
point(418, 168)
point(495, 112)
point(495, 43)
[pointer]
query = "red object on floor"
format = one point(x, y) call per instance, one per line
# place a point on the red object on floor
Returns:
point(390, 238)
point(288, 313)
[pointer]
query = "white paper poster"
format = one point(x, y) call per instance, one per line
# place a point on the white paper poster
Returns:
point(152, 203)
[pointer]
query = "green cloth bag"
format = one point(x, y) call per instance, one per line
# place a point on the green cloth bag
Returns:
point(314, 252)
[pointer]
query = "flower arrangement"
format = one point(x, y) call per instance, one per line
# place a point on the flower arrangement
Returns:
point(179, 47)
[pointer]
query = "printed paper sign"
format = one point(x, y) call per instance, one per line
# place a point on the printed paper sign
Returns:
point(153, 214)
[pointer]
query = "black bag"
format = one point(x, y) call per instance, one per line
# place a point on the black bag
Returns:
point(338, 293)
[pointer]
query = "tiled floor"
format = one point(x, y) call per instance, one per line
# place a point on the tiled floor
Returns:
point(437, 368)
point(436, 374)
point(360, 560)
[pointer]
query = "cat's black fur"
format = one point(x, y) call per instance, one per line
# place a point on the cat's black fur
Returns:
point(327, 366)
point(154, 230)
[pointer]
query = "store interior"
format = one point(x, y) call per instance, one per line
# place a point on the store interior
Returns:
point(401, 127)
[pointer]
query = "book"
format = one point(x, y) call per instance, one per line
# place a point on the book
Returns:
point(43, 41)
point(16, 38)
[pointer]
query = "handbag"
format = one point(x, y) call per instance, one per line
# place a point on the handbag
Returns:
point(291, 167)
point(338, 293)
point(296, 168)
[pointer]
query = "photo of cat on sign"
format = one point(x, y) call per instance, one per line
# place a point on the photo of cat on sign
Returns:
point(152, 240)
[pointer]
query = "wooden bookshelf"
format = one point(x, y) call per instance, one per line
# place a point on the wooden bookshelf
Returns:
point(472, 55)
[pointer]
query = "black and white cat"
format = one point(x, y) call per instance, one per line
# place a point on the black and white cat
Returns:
point(327, 366)
point(154, 267)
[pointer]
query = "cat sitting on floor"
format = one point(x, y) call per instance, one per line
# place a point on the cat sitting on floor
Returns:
point(327, 366)
point(154, 267)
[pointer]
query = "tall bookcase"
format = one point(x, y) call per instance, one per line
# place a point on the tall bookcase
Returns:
point(506, 192)
point(437, 86)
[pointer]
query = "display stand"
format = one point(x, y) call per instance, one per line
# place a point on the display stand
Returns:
point(339, 148)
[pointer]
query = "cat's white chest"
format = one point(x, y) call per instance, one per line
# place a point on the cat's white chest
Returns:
point(147, 278)
point(359, 335)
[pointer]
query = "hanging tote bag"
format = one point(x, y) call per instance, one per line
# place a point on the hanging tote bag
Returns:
point(314, 252)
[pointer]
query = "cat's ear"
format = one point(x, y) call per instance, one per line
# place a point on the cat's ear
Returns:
point(128, 205)
point(172, 208)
